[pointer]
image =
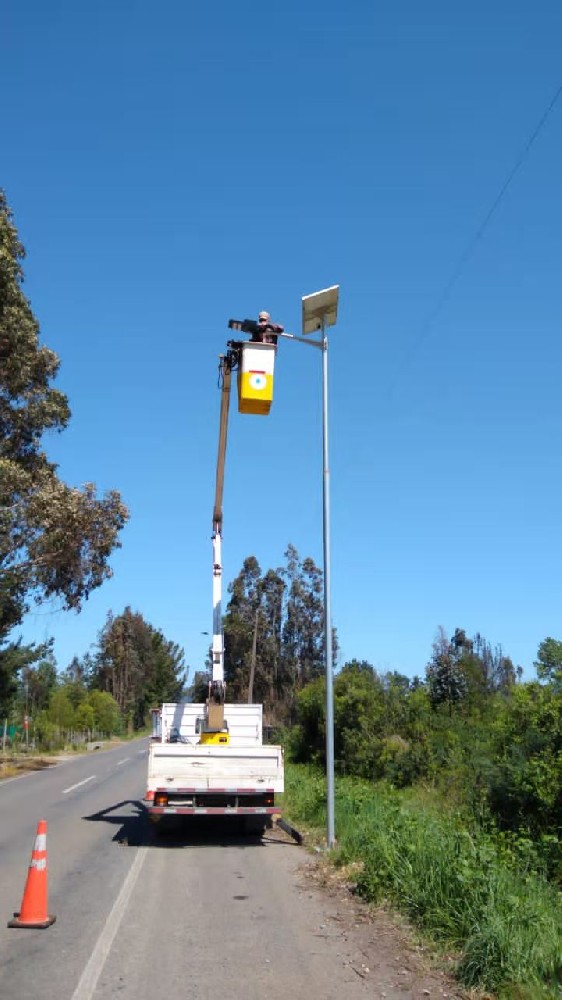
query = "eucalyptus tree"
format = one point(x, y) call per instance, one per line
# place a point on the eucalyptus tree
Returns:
point(55, 539)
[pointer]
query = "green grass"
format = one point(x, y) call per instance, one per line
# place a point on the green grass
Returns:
point(506, 926)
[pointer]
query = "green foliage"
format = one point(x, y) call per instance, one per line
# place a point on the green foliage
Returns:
point(75, 679)
point(303, 625)
point(359, 706)
point(167, 671)
point(496, 754)
point(84, 716)
point(525, 778)
point(37, 684)
point(378, 724)
point(549, 662)
point(75, 693)
point(305, 795)
point(274, 632)
point(137, 666)
point(459, 886)
point(463, 673)
point(15, 659)
point(198, 690)
point(106, 712)
point(61, 712)
point(46, 733)
point(446, 679)
point(55, 540)
point(132, 658)
point(308, 737)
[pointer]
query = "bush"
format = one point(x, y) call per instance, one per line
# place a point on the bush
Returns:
point(47, 735)
point(456, 884)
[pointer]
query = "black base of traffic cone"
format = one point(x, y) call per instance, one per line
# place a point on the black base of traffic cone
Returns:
point(37, 925)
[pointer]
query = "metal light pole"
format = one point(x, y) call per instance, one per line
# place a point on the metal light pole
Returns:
point(319, 311)
point(330, 832)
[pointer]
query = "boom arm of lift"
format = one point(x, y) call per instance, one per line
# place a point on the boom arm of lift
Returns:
point(217, 685)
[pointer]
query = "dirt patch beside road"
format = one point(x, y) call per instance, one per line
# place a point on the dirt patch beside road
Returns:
point(11, 766)
point(376, 944)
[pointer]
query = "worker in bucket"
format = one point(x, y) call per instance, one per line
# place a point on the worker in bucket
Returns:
point(267, 331)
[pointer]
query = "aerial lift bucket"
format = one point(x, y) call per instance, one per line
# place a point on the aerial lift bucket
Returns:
point(255, 378)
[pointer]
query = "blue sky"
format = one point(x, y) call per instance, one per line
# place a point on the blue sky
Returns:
point(170, 167)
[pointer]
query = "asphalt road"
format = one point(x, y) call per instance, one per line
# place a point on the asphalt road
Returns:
point(204, 913)
point(86, 865)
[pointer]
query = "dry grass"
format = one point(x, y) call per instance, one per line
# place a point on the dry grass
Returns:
point(12, 765)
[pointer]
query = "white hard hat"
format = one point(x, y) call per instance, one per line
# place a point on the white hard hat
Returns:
point(264, 315)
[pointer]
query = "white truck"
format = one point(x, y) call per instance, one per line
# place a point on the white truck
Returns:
point(189, 778)
point(209, 759)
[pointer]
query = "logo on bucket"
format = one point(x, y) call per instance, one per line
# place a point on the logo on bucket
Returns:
point(257, 381)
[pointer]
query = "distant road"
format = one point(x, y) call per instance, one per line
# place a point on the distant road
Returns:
point(201, 915)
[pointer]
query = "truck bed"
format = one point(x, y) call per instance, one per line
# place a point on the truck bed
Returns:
point(212, 779)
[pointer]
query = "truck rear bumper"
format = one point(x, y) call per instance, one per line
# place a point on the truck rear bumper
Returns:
point(173, 810)
point(210, 802)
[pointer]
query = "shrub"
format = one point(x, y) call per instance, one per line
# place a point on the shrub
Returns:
point(457, 884)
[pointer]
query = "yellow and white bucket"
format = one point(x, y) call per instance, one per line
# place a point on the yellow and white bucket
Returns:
point(255, 378)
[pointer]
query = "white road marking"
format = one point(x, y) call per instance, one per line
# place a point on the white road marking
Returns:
point(59, 763)
point(94, 968)
point(77, 785)
point(119, 762)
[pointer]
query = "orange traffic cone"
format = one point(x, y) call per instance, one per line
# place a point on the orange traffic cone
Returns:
point(33, 911)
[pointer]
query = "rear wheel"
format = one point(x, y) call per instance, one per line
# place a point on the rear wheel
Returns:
point(166, 826)
point(254, 826)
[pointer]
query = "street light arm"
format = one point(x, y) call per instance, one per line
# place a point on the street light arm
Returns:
point(303, 340)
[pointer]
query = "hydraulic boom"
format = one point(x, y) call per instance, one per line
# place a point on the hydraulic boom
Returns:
point(263, 333)
point(217, 686)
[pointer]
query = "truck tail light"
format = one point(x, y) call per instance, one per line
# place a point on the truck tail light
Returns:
point(149, 797)
point(270, 799)
point(160, 799)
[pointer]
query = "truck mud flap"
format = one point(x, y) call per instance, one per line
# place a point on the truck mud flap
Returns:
point(298, 837)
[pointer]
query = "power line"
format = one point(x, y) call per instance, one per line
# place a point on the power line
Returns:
point(475, 239)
